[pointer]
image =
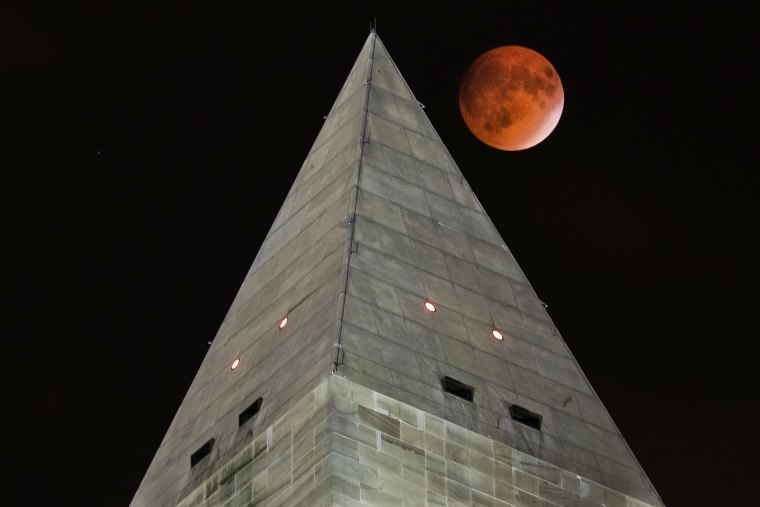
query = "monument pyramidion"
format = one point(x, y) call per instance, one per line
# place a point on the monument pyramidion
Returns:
point(386, 349)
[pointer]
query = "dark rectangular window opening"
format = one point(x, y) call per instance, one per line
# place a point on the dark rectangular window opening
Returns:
point(248, 414)
point(201, 453)
point(525, 416)
point(457, 388)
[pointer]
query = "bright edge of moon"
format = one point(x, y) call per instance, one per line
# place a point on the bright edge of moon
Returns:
point(511, 98)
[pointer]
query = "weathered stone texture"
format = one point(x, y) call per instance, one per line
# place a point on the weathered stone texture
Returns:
point(344, 444)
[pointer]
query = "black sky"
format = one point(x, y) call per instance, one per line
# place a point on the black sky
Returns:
point(148, 149)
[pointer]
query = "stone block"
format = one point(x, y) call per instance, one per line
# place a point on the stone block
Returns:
point(484, 483)
point(423, 228)
point(561, 369)
point(260, 487)
point(279, 475)
point(386, 405)
point(358, 376)
point(359, 314)
point(412, 436)
point(430, 151)
point(367, 367)
point(525, 481)
point(527, 301)
point(435, 445)
point(411, 415)
point(395, 190)
point(457, 453)
point(530, 384)
point(436, 499)
point(436, 482)
point(614, 499)
point(434, 425)
point(413, 473)
point(504, 491)
point(555, 493)
point(300, 489)
point(482, 463)
point(373, 496)
point(412, 494)
point(457, 472)
point(473, 305)
point(349, 428)
point(330, 484)
point(382, 211)
point(440, 291)
point(458, 492)
point(387, 133)
point(425, 176)
point(390, 82)
point(403, 331)
point(435, 465)
point(447, 322)
point(483, 500)
point(592, 411)
point(346, 487)
point(383, 423)
point(404, 110)
point(378, 460)
point(590, 437)
point(383, 266)
point(243, 496)
point(523, 499)
point(406, 453)
point(244, 476)
point(409, 383)
point(342, 445)
point(538, 468)
point(462, 192)
point(469, 439)
point(353, 470)
point(373, 291)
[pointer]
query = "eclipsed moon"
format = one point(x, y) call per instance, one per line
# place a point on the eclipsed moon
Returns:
point(511, 98)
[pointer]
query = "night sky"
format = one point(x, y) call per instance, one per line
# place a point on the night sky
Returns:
point(148, 148)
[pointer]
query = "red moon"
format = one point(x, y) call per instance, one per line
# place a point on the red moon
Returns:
point(511, 98)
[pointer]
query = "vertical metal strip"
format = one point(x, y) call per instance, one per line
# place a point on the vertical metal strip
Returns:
point(352, 218)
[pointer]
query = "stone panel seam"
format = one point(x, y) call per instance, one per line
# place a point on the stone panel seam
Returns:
point(352, 218)
point(301, 185)
point(242, 328)
point(423, 163)
point(271, 254)
point(242, 303)
point(529, 342)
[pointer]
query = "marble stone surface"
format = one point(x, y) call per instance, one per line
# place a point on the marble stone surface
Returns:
point(344, 444)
